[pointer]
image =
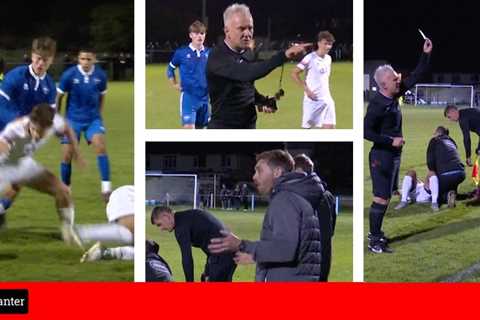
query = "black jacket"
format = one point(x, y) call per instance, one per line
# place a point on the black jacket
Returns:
point(383, 120)
point(156, 268)
point(442, 155)
point(231, 77)
point(469, 120)
point(289, 248)
point(313, 189)
point(195, 228)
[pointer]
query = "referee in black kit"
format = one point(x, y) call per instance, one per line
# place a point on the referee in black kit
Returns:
point(383, 126)
point(196, 228)
point(232, 70)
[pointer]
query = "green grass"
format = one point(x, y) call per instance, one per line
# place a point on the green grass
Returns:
point(428, 246)
point(248, 226)
point(32, 248)
point(163, 101)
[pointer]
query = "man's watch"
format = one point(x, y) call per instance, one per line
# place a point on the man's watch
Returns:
point(242, 246)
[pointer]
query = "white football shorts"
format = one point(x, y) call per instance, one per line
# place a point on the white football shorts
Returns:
point(318, 113)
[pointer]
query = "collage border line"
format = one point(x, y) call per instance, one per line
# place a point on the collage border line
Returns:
point(143, 135)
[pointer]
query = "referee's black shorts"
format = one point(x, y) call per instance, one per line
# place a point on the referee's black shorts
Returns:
point(384, 167)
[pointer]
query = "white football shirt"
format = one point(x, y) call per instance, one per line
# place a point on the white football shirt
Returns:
point(317, 74)
point(21, 144)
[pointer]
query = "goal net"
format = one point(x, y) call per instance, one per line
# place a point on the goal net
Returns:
point(171, 189)
point(441, 95)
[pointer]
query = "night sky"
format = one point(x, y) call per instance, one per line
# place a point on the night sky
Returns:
point(391, 33)
point(66, 21)
point(169, 19)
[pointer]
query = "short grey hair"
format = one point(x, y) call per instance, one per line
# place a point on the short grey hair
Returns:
point(381, 71)
point(233, 9)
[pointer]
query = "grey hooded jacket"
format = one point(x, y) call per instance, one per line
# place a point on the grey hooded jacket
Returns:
point(289, 247)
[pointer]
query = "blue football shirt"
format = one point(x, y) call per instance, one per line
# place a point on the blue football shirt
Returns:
point(193, 65)
point(84, 91)
point(21, 90)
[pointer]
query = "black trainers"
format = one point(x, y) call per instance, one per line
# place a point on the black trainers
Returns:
point(379, 247)
point(381, 238)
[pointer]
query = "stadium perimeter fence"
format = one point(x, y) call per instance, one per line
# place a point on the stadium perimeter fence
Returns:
point(231, 203)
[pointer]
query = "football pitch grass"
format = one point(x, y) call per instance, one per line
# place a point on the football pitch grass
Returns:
point(429, 247)
point(247, 225)
point(163, 110)
point(32, 248)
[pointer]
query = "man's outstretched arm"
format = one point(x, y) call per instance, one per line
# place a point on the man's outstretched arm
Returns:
point(245, 72)
point(420, 70)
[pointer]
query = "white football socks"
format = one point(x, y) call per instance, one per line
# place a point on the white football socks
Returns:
point(109, 232)
point(406, 186)
point(434, 188)
point(106, 186)
point(121, 253)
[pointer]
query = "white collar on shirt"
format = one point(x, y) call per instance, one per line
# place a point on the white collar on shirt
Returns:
point(89, 73)
point(36, 77)
point(195, 49)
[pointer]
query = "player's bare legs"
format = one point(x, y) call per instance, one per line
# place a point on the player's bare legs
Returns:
point(128, 222)
point(100, 148)
point(8, 197)
point(48, 183)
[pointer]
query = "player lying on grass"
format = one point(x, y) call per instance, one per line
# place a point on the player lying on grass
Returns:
point(446, 172)
point(86, 86)
point(120, 229)
point(318, 104)
point(18, 142)
point(415, 190)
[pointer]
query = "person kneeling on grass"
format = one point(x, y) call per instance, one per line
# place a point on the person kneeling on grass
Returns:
point(444, 162)
point(18, 142)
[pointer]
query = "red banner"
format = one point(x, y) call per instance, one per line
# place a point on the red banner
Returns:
point(245, 301)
